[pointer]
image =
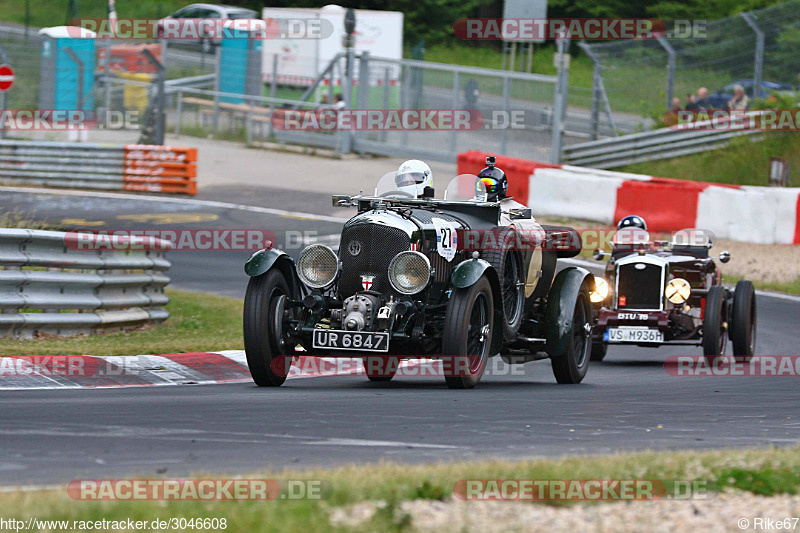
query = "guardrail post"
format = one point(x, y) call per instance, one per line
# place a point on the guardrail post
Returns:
point(4, 61)
point(217, 74)
point(273, 88)
point(670, 70)
point(179, 111)
point(454, 105)
point(362, 98)
point(386, 102)
point(504, 131)
point(759, 57)
point(160, 122)
point(347, 90)
point(250, 123)
point(559, 104)
point(106, 81)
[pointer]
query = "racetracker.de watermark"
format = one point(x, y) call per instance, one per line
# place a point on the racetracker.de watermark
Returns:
point(721, 120)
point(170, 239)
point(580, 29)
point(66, 366)
point(197, 489)
point(391, 120)
point(194, 29)
point(570, 490)
point(66, 120)
point(756, 366)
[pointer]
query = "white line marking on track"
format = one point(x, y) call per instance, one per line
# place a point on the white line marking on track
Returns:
point(189, 201)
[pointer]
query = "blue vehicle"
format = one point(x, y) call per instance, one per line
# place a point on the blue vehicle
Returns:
point(719, 99)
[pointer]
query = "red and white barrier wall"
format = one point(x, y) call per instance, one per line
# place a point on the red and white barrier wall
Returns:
point(741, 213)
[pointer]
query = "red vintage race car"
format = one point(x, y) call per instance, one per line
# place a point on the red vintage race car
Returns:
point(670, 292)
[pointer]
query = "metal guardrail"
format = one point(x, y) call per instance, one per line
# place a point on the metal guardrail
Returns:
point(99, 166)
point(49, 284)
point(657, 144)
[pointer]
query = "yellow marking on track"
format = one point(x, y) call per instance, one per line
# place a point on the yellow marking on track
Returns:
point(169, 218)
point(82, 222)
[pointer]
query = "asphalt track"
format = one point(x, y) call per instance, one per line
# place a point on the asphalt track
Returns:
point(628, 402)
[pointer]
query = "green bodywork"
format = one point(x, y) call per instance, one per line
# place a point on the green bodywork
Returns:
point(261, 261)
point(561, 307)
point(468, 272)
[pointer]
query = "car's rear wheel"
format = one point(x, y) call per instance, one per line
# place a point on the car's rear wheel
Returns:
point(467, 335)
point(572, 361)
point(507, 262)
point(715, 336)
point(743, 320)
point(264, 333)
point(381, 368)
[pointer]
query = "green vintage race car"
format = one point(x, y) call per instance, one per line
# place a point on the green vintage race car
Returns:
point(423, 278)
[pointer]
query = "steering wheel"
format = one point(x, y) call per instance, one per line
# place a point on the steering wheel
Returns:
point(402, 194)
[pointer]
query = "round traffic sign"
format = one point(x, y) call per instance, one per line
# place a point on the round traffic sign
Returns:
point(6, 77)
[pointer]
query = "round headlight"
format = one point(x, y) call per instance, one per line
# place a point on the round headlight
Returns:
point(600, 291)
point(317, 266)
point(409, 272)
point(678, 291)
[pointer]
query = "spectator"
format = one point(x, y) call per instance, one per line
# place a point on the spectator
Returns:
point(691, 103)
point(673, 115)
point(339, 101)
point(739, 102)
point(702, 99)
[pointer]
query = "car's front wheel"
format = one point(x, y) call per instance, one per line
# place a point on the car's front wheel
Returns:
point(381, 368)
point(715, 336)
point(743, 327)
point(571, 360)
point(599, 350)
point(264, 340)
point(467, 335)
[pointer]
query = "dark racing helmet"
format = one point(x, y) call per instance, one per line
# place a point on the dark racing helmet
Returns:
point(632, 221)
point(494, 180)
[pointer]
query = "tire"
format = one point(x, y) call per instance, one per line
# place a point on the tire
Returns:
point(715, 338)
point(570, 366)
point(599, 350)
point(507, 262)
point(468, 330)
point(263, 316)
point(381, 369)
point(743, 320)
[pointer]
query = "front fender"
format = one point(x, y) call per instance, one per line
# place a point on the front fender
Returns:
point(470, 271)
point(561, 305)
point(263, 261)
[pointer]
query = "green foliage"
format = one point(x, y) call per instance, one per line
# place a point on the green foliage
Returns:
point(768, 482)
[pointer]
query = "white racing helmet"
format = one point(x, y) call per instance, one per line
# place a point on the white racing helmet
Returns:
point(413, 176)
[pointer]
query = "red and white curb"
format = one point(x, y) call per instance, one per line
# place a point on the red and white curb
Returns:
point(197, 368)
point(769, 215)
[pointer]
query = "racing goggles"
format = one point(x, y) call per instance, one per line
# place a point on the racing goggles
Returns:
point(409, 178)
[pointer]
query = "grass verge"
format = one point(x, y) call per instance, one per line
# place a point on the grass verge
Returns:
point(197, 323)
point(761, 472)
point(789, 287)
point(742, 162)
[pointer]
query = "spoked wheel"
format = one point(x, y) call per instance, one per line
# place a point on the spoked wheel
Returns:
point(508, 265)
point(715, 335)
point(743, 326)
point(467, 336)
point(570, 366)
point(381, 368)
point(265, 341)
